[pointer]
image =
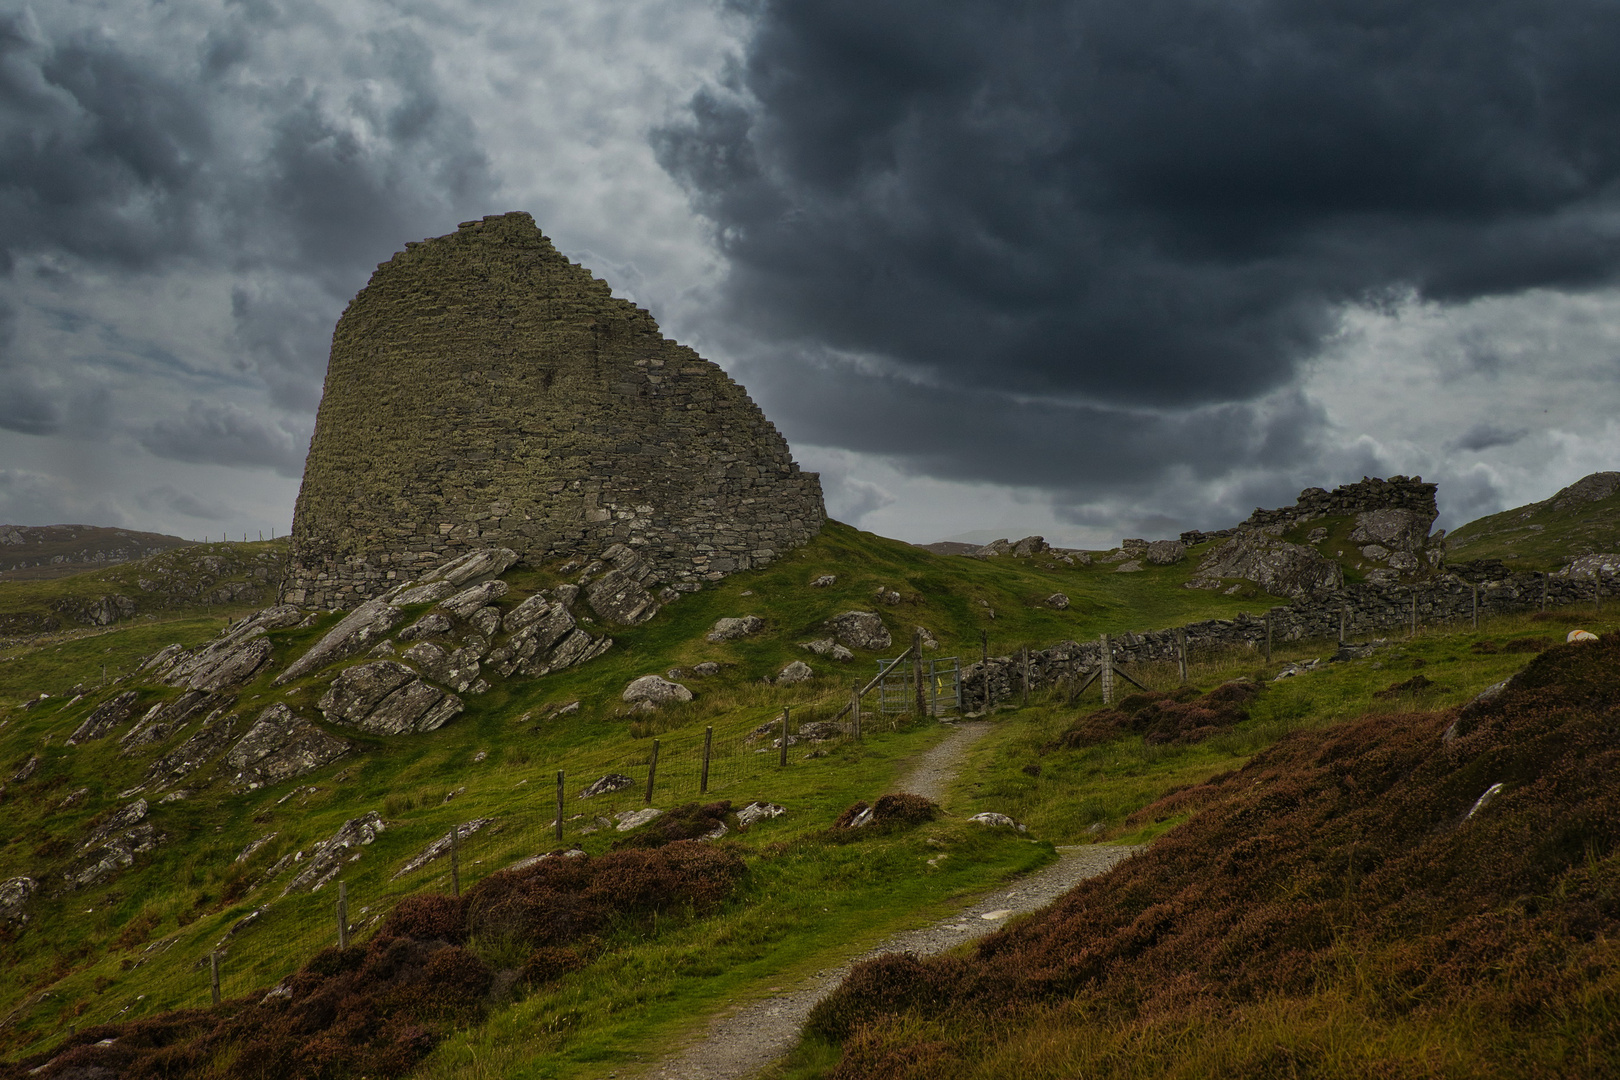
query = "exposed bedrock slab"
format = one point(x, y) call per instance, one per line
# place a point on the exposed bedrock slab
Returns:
point(387, 698)
point(358, 631)
point(483, 391)
point(107, 715)
point(280, 746)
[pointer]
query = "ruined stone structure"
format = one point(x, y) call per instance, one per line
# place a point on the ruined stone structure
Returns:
point(483, 391)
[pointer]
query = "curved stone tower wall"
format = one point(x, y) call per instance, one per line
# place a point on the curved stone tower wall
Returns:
point(485, 391)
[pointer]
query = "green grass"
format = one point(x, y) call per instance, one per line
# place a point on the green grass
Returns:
point(1538, 537)
point(85, 957)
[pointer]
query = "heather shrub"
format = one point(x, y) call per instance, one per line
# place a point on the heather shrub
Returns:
point(549, 963)
point(899, 810)
point(690, 822)
point(1182, 717)
point(426, 916)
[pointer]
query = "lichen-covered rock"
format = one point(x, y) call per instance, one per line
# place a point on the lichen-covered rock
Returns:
point(526, 614)
point(1058, 601)
point(414, 593)
point(433, 624)
point(732, 629)
point(1281, 568)
point(464, 603)
point(330, 855)
point(204, 745)
point(758, 811)
point(387, 698)
point(15, 893)
point(576, 648)
point(796, 672)
point(107, 715)
point(474, 567)
point(165, 719)
point(826, 647)
point(655, 690)
point(280, 746)
point(619, 595)
point(458, 669)
point(861, 630)
point(603, 786)
point(1165, 552)
point(357, 632)
point(235, 656)
point(635, 819)
point(113, 845)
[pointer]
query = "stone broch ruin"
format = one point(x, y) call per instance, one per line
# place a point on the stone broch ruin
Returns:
point(484, 391)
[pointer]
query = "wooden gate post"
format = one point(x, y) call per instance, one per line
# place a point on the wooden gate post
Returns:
point(781, 758)
point(1026, 676)
point(1107, 670)
point(984, 666)
point(213, 976)
point(855, 710)
point(455, 860)
point(1181, 653)
point(652, 773)
point(916, 659)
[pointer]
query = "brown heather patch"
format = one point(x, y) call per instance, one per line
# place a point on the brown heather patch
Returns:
point(1184, 716)
point(892, 812)
point(375, 1010)
point(1340, 871)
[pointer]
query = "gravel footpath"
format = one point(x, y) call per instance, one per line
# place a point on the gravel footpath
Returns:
point(745, 1039)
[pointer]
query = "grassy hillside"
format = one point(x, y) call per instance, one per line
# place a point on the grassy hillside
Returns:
point(134, 946)
point(1428, 894)
point(1582, 519)
point(50, 551)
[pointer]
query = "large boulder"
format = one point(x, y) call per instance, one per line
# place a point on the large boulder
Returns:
point(387, 698)
point(655, 690)
point(860, 630)
point(1278, 567)
point(796, 672)
point(1165, 552)
point(469, 600)
point(280, 746)
point(14, 896)
point(732, 629)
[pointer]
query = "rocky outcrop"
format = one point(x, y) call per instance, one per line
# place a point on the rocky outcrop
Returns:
point(734, 628)
point(860, 630)
point(458, 669)
point(113, 845)
point(235, 656)
point(619, 595)
point(796, 672)
point(280, 746)
point(606, 785)
point(359, 630)
point(206, 744)
point(106, 716)
point(829, 648)
point(330, 855)
point(15, 894)
point(1280, 568)
point(387, 698)
point(439, 848)
point(167, 718)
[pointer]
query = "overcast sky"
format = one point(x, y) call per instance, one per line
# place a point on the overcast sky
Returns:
point(1090, 270)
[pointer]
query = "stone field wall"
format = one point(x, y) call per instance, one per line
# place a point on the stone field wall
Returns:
point(1366, 609)
point(484, 391)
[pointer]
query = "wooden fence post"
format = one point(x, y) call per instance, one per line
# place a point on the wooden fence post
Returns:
point(916, 658)
point(855, 710)
point(1544, 590)
point(652, 773)
point(1343, 614)
point(213, 976)
point(1268, 637)
point(1476, 607)
point(1181, 653)
point(455, 860)
point(1107, 670)
point(1414, 615)
point(343, 914)
point(559, 805)
point(1026, 676)
point(708, 748)
point(984, 666)
point(781, 758)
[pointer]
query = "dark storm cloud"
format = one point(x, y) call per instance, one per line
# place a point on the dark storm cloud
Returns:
point(168, 500)
point(1485, 435)
point(1147, 204)
point(212, 433)
point(100, 155)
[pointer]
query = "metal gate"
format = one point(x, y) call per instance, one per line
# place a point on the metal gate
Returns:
point(942, 686)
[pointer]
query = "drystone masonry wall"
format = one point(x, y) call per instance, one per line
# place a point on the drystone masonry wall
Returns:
point(484, 391)
point(1369, 495)
point(1366, 610)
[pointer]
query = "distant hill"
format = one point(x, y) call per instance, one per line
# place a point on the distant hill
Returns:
point(36, 552)
point(1582, 519)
